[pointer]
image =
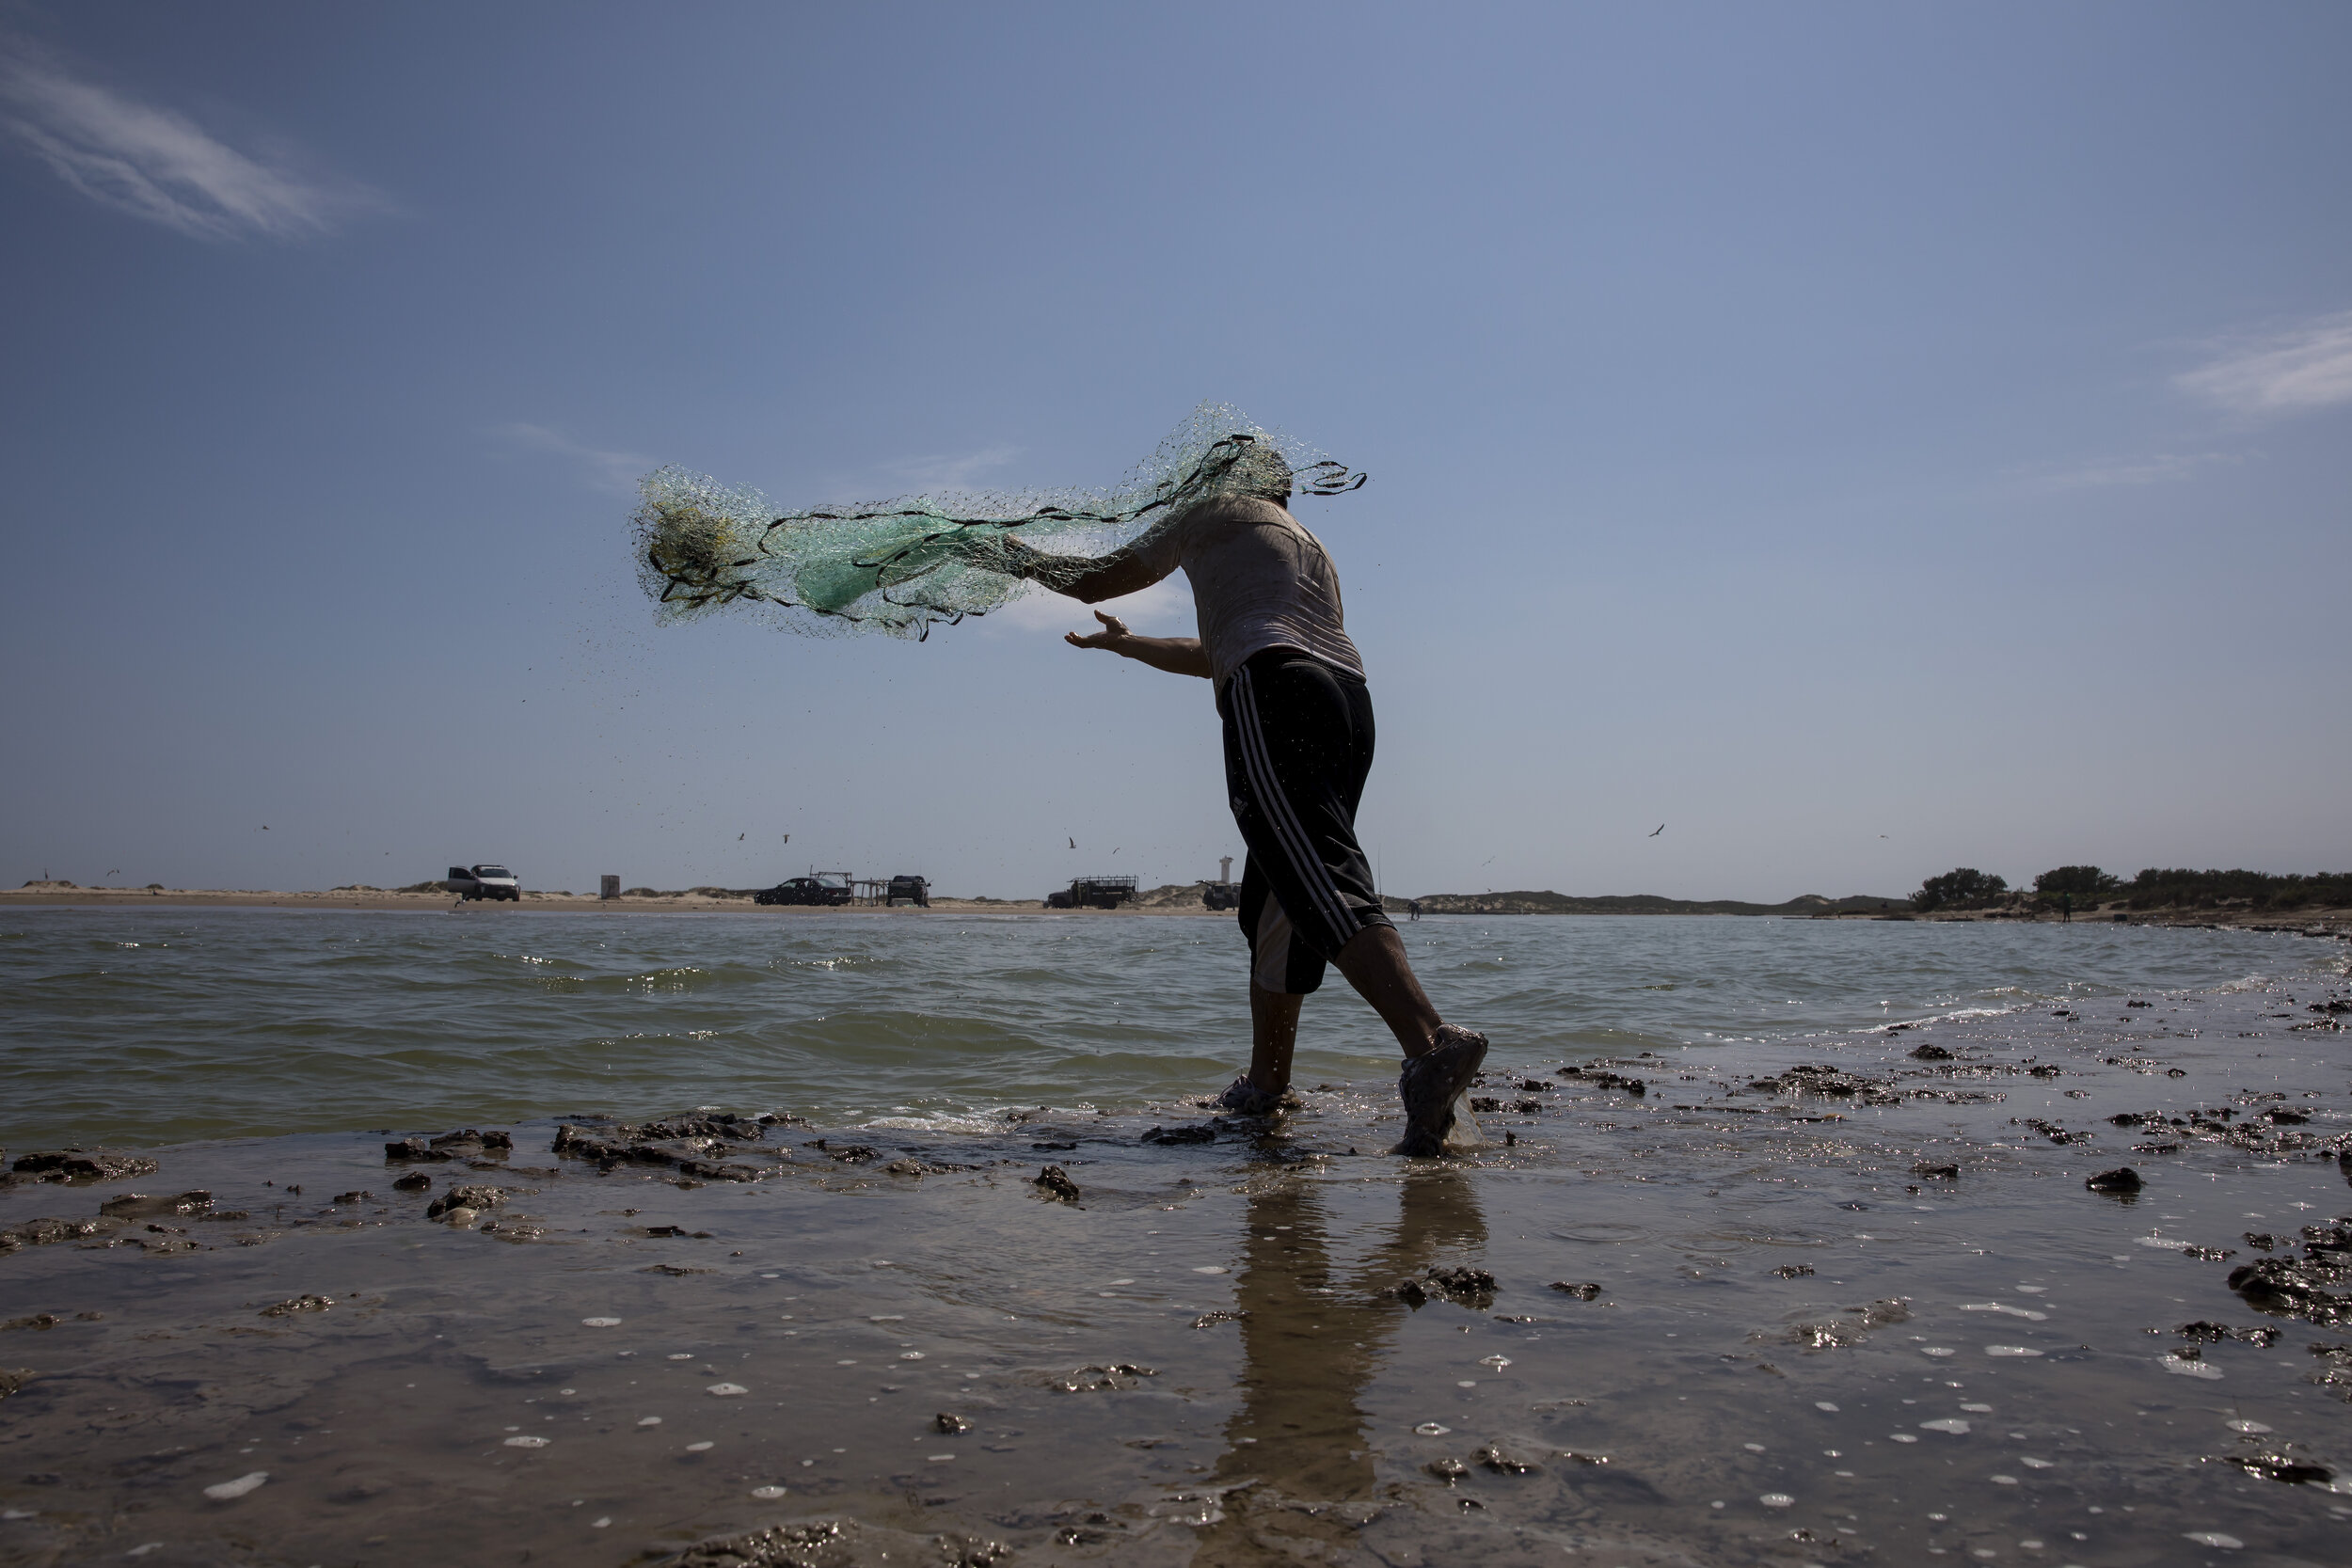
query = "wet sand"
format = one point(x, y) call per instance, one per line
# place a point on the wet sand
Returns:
point(1839, 1302)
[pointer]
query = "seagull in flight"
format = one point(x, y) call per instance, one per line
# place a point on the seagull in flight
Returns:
point(1074, 843)
point(740, 837)
point(1661, 828)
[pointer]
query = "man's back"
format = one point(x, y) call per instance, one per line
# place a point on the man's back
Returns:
point(1259, 581)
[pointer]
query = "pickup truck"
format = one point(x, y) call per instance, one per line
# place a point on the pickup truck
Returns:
point(830, 887)
point(484, 881)
point(1094, 892)
point(914, 890)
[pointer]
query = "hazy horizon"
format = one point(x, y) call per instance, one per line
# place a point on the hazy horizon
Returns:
point(1865, 439)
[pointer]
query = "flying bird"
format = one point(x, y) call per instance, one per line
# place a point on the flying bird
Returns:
point(740, 837)
point(1074, 843)
point(1661, 828)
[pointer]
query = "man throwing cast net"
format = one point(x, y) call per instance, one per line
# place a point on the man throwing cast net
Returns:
point(1290, 687)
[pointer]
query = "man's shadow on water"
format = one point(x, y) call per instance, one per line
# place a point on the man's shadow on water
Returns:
point(1312, 1340)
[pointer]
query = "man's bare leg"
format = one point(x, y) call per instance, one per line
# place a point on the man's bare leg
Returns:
point(1273, 1036)
point(1374, 963)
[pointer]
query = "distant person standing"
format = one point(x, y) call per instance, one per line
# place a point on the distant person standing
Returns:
point(1413, 906)
point(1298, 740)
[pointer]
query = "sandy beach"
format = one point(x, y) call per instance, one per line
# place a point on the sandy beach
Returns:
point(1173, 899)
point(1176, 900)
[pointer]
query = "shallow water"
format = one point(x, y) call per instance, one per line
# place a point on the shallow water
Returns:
point(167, 1026)
point(1205, 1360)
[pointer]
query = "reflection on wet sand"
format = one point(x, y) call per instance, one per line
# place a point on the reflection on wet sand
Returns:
point(1297, 1452)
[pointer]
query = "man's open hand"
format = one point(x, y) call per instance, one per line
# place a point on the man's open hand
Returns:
point(1114, 632)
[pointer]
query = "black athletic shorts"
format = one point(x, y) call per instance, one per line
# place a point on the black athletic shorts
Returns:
point(1297, 749)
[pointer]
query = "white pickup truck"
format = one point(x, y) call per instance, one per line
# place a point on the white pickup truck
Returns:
point(484, 881)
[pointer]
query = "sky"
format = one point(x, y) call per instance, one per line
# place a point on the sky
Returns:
point(1864, 438)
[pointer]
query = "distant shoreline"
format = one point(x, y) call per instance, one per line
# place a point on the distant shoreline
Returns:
point(1174, 900)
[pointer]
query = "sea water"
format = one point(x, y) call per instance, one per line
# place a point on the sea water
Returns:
point(164, 1027)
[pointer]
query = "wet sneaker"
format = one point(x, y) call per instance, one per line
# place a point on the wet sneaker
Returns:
point(1244, 1098)
point(1430, 1085)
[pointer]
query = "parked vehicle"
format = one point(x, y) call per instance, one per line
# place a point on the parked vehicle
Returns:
point(1094, 892)
point(484, 881)
point(1221, 895)
point(822, 887)
point(914, 890)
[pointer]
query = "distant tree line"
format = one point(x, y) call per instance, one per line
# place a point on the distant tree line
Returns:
point(2087, 887)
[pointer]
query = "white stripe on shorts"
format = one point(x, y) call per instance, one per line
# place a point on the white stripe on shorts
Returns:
point(1258, 762)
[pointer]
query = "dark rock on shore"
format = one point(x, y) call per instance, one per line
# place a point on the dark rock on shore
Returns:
point(1197, 1133)
point(13, 1379)
point(946, 1422)
point(837, 1544)
point(1464, 1287)
point(2122, 1181)
point(1586, 1291)
point(1601, 1079)
point(415, 1181)
point(81, 1164)
point(2278, 1467)
point(700, 1147)
point(465, 1143)
point(1850, 1327)
point(138, 1206)
point(1504, 1464)
point(1793, 1270)
point(1119, 1374)
point(1055, 1181)
point(1934, 1172)
point(2305, 1287)
point(1834, 1083)
point(298, 1303)
point(475, 1198)
point(1925, 1051)
point(46, 1232)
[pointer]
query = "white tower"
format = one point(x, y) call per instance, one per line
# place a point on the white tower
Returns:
point(1225, 868)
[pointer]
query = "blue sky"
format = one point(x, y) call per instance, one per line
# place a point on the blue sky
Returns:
point(1866, 438)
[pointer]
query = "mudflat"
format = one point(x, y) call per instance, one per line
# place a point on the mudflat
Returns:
point(1875, 1297)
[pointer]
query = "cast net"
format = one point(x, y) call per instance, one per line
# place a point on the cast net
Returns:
point(899, 565)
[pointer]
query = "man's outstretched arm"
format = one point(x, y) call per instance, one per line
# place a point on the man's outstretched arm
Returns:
point(1178, 656)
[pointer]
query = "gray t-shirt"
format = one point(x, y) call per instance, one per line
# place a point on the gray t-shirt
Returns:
point(1259, 581)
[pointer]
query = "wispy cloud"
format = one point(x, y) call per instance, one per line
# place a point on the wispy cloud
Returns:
point(157, 164)
point(950, 471)
point(606, 470)
point(2282, 372)
point(2159, 468)
point(1164, 609)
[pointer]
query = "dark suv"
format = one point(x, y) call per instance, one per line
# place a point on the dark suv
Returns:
point(914, 890)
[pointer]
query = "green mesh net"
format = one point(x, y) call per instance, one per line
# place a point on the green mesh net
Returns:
point(899, 565)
